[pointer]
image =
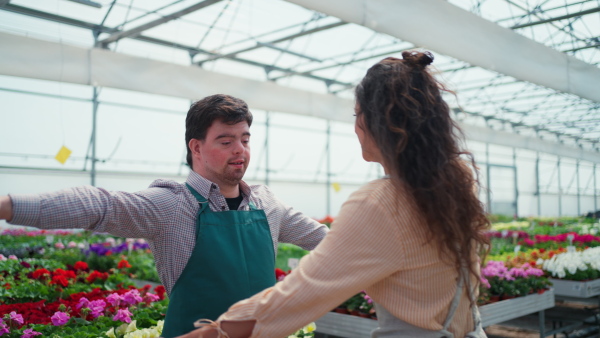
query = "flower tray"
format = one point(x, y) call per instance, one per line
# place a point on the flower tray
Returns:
point(344, 325)
point(504, 310)
point(577, 289)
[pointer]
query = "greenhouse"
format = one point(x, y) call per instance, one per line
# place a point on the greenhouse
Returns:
point(96, 93)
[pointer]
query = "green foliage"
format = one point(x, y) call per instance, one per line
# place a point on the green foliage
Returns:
point(286, 251)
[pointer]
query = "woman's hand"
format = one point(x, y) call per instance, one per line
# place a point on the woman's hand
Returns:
point(234, 329)
point(203, 332)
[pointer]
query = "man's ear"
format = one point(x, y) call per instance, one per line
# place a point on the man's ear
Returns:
point(194, 145)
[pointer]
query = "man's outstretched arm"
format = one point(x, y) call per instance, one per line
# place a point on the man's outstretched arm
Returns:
point(6, 212)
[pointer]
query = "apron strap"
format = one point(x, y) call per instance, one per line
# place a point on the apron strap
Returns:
point(455, 300)
point(201, 200)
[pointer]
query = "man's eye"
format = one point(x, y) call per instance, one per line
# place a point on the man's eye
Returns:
point(225, 143)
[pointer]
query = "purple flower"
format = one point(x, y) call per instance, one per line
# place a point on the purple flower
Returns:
point(132, 297)
point(123, 315)
point(114, 299)
point(60, 318)
point(30, 333)
point(16, 317)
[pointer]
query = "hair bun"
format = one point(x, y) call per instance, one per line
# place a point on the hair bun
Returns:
point(417, 58)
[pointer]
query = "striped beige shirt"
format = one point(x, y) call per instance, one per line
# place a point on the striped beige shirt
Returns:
point(376, 246)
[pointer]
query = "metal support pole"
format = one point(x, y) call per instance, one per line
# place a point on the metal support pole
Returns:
point(94, 135)
point(559, 188)
point(328, 154)
point(578, 188)
point(267, 168)
point(537, 183)
point(516, 184)
point(487, 178)
point(595, 191)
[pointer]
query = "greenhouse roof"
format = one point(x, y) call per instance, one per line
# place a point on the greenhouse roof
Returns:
point(519, 66)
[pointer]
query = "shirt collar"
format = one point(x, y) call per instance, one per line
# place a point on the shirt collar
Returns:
point(205, 187)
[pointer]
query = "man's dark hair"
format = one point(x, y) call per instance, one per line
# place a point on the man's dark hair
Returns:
point(203, 113)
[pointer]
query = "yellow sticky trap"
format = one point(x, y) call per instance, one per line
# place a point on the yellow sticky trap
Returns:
point(63, 155)
point(336, 186)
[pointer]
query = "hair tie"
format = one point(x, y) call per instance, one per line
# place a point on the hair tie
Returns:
point(415, 58)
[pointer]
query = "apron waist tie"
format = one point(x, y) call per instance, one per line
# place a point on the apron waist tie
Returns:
point(209, 323)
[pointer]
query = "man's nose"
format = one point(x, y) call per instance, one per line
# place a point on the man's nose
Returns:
point(238, 148)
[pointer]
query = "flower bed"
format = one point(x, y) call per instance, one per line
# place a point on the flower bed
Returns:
point(51, 299)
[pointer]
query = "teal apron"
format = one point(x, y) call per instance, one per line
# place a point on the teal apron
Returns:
point(232, 260)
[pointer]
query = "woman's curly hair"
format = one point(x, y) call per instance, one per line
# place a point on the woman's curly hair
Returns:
point(403, 111)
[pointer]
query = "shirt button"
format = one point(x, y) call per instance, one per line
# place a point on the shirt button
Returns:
point(222, 207)
point(213, 186)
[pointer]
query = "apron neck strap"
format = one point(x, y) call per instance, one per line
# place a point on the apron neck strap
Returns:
point(201, 200)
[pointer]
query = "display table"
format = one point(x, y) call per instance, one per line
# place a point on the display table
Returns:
point(576, 289)
point(342, 325)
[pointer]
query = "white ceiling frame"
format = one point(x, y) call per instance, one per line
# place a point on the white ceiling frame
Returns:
point(447, 29)
point(33, 58)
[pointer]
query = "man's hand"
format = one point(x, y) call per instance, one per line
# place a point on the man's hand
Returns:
point(6, 211)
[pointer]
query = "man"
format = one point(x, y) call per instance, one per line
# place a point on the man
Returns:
point(214, 238)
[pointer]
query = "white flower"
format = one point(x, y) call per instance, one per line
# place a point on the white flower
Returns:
point(111, 333)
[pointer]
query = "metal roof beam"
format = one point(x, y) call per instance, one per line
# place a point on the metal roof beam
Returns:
point(139, 29)
point(563, 17)
point(39, 59)
point(289, 37)
point(470, 38)
point(190, 49)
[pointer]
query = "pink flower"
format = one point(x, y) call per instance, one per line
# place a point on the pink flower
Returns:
point(485, 282)
point(114, 299)
point(150, 297)
point(83, 302)
point(132, 297)
point(3, 327)
point(59, 245)
point(30, 333)
point(97, 307)
point(60, 318)
point(2, 257)
point(16, 317)
point(72, 244)
point(13, 257)
point(123, 315)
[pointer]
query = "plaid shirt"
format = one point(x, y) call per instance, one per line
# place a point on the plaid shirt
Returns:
point(164, 214)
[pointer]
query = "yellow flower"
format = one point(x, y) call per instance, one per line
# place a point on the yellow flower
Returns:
point(111, 333)
point(159, 326)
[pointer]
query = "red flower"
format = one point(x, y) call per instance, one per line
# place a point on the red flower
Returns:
point(7, 286)
point(60, 280)
point(123, 264)
point(279, 274)
point(41, 273)
point(64, 273)
point(160, 291)
point(81, 266)
point(95, 275)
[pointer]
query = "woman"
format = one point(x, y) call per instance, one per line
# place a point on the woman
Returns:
point(410, 240)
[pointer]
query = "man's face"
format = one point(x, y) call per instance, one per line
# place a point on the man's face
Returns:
point(225, 153)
